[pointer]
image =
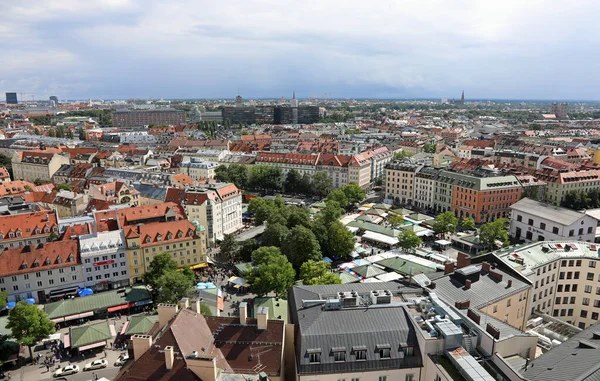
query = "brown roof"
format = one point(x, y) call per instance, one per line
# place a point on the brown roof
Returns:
point(44, 256)
point(25, 225)
point(129, 215)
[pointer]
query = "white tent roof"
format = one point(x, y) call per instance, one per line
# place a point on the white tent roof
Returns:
point(371, 280)
point(443, 242)
point(380, 238)
point(387, 277)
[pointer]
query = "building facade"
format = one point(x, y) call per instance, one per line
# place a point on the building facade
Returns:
point(28, 229)
point(104, 260)
point(533, 220)
point(400, 181)
point(147, 117)
point(198, 169)
point(34, 165)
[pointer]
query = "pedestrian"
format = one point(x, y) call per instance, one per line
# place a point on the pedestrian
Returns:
point(47, 368)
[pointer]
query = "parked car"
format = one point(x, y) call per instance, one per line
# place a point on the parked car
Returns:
point(96, 364)
point(122, 359)
point(69, 369)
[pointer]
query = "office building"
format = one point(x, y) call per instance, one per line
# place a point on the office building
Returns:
point(11, 99)
point(34, 165)
point(532, 220)
point(271, 114)
point(148, 117)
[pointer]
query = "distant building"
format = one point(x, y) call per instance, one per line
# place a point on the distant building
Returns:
point(33, 165)
point(462, 98)
point(560, 110)
point(53, 100)
point(147, 117)
point(11, 99)
point(271, 114)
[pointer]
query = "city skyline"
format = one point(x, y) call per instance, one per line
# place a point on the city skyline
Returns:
point(118, 49)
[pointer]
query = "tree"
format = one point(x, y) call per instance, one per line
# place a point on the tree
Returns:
point(36, 131)
point(205, 310)
point(60, 132)
point(340, 241)
point(234, 173)
point(29, 324)
point(266, 177)
point(172, 286)
point(70, 134)
point(66, 187)
point(3, 301)
point(321, 183)
point(292, 181)
point(396, 220)
point(339, 196)
point(305, 184)
point(276, 275)
point(160, 264)
point(298, 216)
point(408, 240)
point(229, 246)
point(264, 254)
point(494, 231)
point(429, 147)
point(51, 133)
point(468, 223)
point(402, 155)
point(275, 234)
point(331, 213)
point(354, 193)
point(39, 182)
point(81, 133)
point(262, 210)
point(246, 248)
point(300, 246)
point(445, 223)
point(317, 272)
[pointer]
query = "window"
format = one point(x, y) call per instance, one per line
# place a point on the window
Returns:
point(339, 356)
point(588, 289)
point(382, 378)
point(39, 283)
point(15, 288)
point(508, 303)
point(576, 275)
point(361, 355)
point(409, 377)
point(585, 301)
point(592, 264)
point(559, 288)
point(314, 358)
point(542, 226)
point(583, 314)
point(556, 300)
point(530, 222)
point(408, 351)
point(555, 230)
point(519, 218)
point(571, 233)
point(50, 281)
point(384, 353)
point(590, 276)
point(574, 288)
point(572, 300)
point(495, 308)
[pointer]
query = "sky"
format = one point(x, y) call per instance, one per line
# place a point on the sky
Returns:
point(117, 49)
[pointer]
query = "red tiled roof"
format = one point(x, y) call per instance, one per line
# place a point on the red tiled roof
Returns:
point(75, 231)
point(44, 256)
point(15, 187)
point(4, 173)
point(129, 215)
point(27, 223)
point(106, 220)
point(161, 232)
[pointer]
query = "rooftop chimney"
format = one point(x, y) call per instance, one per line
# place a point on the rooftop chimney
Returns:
point(467, 284)
point(169, 357)
point(485, 267)
point(509, 283)
point(197, 304)
point(243, 308)
point(184, 303)
point(261, 316)
point(140, 343)
point(449, 268)
point(166, 313)
point(463, 260)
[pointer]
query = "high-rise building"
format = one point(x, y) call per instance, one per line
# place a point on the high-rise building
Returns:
point(53, 100)
point(462, 98)
point(148, 117)
point(11, 99)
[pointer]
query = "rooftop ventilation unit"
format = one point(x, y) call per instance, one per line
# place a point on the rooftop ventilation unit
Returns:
point(348, 299)
point(381, 296)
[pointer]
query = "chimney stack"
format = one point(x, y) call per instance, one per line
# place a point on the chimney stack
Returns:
point(169, 357)
point(467, 284)
point(165, 313)
point(509, 283)
point(485, 267)
point(463, 260)
point(449, 268)
point(184, 303)
point(243, 309)
point(262, 315)
point(140, 343)
point(197, 304)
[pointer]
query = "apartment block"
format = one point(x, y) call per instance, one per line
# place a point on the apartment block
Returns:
point(104, 260)
point(400, 180)
point(147, 117)
point(559, 183)
point(533, 220)
point(28, 229)
point(198, 169)
point(33, 165)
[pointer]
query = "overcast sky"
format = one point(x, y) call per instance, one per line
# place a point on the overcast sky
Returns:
point(508, 49)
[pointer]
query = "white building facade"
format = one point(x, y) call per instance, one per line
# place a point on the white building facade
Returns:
point(104, 260)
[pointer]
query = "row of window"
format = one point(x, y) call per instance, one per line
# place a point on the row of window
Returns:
point(359, 355)
point(107, 275)
point(40, 283)
point(37, 275)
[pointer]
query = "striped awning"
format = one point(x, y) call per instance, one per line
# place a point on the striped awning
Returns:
point(91, 346)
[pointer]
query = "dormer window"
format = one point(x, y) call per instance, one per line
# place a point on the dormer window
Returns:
point(159, 237)
point(11, 235)
point(148, 239)
point(191, 233)
point(169, 236)
point(46, 230)
point(1, 236)
point(35, 264)
point(19, 233)
point(384, 351)
point(70, 258)
point(38, 231)
point(23, 266)
point(314, 355)
point(55, 229)
point(59, 260)
point(47, 262)
point(179, 234)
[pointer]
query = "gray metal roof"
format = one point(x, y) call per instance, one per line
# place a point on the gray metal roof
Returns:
point(149, 191)
point(352, 329)
point(562, 216)
point(576, 359)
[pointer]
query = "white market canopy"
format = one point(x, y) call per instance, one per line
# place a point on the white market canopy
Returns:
point(378, 237)
point(443, 242)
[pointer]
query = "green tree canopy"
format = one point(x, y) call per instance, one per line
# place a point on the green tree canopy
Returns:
point(331, 213)
point(229, 246)
point(275, 275)
point(321, 183)
point(66, 187)
point(445, 223)
point(402, 155)
point(340, 241)
point(3, 299)
point(246, 248)
point(396, 220)
point(275, 234)
point(467, 223)
point(172, 286)
point(298, 216)
point(317, 272)
point(264, 254)
point(338, 196)
point(160, 264)
point(292, 181)
point(266, 177)
point(81, 133)
point(354, 193)
point(262, 210)
point(408, 240)
point(234, 173)
point(300, 246)
point(494, 231)
point(29, 324)
point(429, 147)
